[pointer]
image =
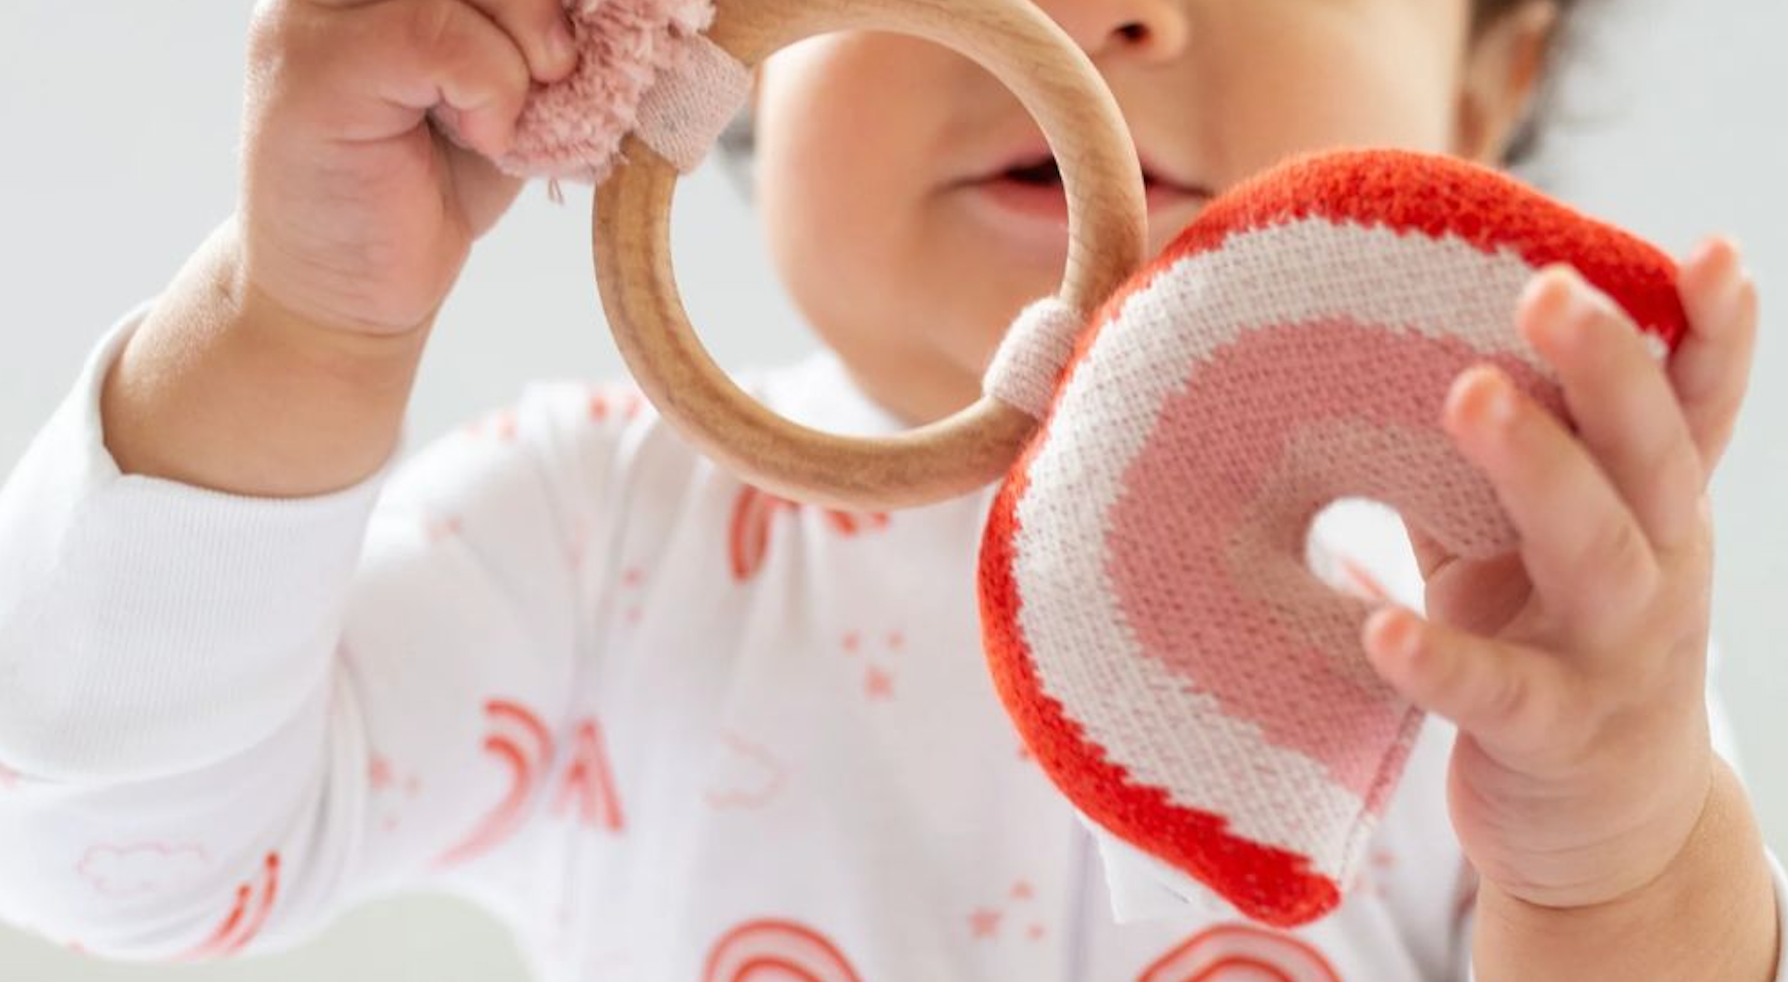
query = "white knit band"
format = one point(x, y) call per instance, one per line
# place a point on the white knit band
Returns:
point(690, 103)
point(1030, 360)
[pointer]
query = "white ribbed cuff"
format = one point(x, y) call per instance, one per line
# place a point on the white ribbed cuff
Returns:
point(149, 626)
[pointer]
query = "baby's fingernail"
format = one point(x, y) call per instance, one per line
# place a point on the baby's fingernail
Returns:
point(560, 44)
point(1557, 284)
point(1714, 249)
point(1533, 289)
point(1499, 401)
point(1480, 400)
point(1489, 397)
point(1736, 270)
point(1395, 631)
point(1576, 291)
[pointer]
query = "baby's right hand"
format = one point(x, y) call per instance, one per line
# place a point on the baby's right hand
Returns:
point(356, 213)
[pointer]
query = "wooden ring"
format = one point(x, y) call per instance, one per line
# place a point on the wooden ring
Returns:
point(1107, 230)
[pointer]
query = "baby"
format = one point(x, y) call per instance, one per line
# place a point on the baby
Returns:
point(671, 728)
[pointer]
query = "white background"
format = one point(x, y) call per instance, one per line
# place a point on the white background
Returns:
point(119, 120)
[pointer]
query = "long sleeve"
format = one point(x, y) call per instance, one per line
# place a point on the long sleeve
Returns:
point(226, 719)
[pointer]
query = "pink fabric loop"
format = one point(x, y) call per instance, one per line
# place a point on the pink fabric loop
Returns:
point(683, 115)
point(644, 66)
point(1030, 360)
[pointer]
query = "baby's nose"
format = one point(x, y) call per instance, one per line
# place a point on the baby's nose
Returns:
point(1155, 30)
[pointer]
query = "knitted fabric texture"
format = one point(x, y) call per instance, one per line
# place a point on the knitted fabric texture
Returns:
point(683, 115)
point(643, 67)
point(1030, 360)
point(1149, 620)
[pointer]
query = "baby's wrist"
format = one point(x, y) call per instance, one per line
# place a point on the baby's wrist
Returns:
point(1708, 915)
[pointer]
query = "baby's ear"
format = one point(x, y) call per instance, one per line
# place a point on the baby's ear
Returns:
point(1504, 68)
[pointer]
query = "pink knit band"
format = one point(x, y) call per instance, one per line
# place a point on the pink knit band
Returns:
point(644, 67)
point(686, 109)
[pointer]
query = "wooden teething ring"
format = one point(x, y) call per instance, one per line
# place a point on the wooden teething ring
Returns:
point(1107, 218)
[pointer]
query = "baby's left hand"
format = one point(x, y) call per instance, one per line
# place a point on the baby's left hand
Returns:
point(1575, 668)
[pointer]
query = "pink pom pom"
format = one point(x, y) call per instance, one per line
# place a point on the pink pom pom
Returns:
point(572, 129)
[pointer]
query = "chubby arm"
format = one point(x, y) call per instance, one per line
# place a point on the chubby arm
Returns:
point(1711, 916)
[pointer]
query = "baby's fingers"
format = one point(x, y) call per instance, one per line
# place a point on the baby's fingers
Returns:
point(1625, 410)
point(369, 73)
point(1510, 697)
point(1711, 368)
point(540, 29)
point(1581, 545)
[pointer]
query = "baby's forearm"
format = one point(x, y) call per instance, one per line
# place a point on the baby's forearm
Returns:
point(222, 388)
point(1711, 916)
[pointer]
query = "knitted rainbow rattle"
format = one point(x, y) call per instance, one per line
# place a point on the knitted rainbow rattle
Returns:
point(1147, 612)
point(1165, 436)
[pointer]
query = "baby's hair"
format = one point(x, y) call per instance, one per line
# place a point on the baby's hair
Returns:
point(1526, 139)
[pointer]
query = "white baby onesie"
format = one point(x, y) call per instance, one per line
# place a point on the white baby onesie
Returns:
point(666, 727)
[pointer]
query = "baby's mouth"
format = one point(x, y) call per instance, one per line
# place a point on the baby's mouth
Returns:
point(1042, 174)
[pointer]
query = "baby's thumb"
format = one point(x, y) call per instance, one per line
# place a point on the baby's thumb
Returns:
point(485, 192)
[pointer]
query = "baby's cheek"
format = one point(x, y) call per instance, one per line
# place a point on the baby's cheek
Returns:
point(1280, 124)
point(1280, 82)
point(854, 142)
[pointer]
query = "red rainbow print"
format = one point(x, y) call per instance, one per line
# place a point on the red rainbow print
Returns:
point(776, 951)
point(1241, 953)
point(247, 915)
point(753, 523)
point(524, 746)
point(588, 782)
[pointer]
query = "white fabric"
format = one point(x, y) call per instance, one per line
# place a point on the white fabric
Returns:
point(1030, 359)
point(662, 723)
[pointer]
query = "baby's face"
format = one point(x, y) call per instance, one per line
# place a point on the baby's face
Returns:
point(894, 177)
